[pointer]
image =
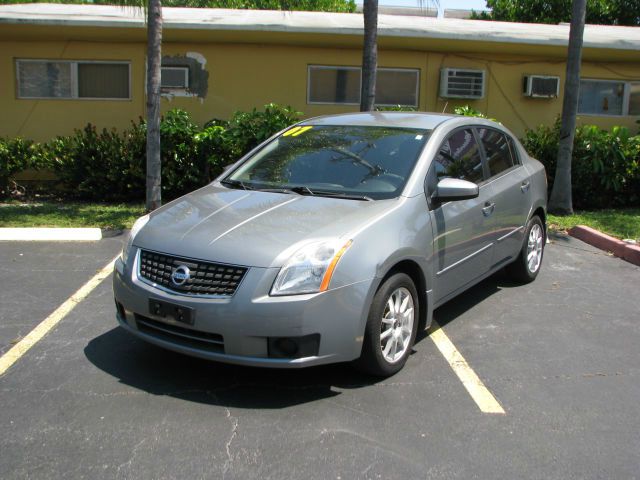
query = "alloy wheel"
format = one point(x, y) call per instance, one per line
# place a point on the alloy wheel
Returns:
point(397, 325)
point(534, 248)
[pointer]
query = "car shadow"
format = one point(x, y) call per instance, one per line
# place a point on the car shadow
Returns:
point(152, 369)
point(161, 372)
point(470, 298)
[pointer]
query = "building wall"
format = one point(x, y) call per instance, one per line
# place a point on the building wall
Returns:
point(244, 76)
point(44, 119)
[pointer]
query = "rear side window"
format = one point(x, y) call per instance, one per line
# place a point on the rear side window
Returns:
point(459, 157)
point(496, 147)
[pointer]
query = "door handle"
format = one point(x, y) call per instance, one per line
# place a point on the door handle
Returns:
point(525, 186)
point(488, 208)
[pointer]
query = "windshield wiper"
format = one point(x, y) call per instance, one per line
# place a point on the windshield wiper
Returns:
point(304, 190)
point(236, 184)
point(355, 158)
point(277, 190)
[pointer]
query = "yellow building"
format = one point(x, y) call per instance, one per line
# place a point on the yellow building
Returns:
point(63, 66)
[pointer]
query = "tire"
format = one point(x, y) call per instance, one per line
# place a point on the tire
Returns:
point(384, 354)
point(527, 265)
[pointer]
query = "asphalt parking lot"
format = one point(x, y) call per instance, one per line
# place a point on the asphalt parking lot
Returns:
point(561, 356)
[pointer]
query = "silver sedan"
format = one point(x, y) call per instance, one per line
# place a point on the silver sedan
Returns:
point(334, 241)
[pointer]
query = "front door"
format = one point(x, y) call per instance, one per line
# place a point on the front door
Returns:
point(462, 230)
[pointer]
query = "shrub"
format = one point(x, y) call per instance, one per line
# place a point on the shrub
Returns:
point(100, 165)
point(108, 165)
point(247, 130)
point(605, 169)
point(214, 150)
point(395, 108)
point(181, 168)
point(468, 111)
point(16, 155)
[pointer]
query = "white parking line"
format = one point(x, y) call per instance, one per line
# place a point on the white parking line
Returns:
point(44, 327)
point(480, 394)
point(50, 234)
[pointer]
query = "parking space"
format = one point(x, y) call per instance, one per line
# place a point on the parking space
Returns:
point(36, 277)
point(559, 355)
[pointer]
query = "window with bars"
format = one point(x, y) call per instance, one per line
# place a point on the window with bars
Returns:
point(342, 85)
point(65, 79)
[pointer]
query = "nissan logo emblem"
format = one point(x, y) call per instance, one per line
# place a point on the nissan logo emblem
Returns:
point(180, 275)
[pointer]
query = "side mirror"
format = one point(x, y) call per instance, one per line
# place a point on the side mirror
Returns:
point(450, 189)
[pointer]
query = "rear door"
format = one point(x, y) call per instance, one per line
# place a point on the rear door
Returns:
point(462, 230)
point(511, 193)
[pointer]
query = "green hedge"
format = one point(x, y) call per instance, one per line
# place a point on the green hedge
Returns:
point(17, 155)
point(109, 165)
point(605, 170)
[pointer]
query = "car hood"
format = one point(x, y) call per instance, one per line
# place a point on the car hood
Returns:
point(252, 228)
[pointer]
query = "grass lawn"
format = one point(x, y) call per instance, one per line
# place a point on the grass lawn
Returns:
point(63, 214)
point(623, 223)
point(618, 223)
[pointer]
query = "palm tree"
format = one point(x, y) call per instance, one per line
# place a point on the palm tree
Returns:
point(560, 201)
point(153, 14)
point(369, 55)
point(370, 52)
point(154, 63)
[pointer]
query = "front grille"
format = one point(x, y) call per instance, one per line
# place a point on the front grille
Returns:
point(204, 278)
point(211, 342)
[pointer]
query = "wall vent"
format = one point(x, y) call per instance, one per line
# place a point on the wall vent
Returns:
point(461, 83)
point(540, 86)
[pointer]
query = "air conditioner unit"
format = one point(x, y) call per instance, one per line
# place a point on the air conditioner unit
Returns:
point(540, 86)
point(460, 83)
point(174, 78)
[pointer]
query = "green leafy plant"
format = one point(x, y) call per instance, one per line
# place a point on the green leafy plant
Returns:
point(468, 111)
point(214, 150)
point(247, 130)
point(107, 165)
point(395, 108)
point(16, 155)
point(605, 165)
point(100, 165)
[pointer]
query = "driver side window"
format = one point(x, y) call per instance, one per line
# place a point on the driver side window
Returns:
point(459, 157)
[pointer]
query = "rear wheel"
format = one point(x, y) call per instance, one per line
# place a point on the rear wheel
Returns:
point(526, 267)
point(391, 327)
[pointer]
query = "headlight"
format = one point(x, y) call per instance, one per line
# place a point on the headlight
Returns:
point(139, 223)
point(310, 269)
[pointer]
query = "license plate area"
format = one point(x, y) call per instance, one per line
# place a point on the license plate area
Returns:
point(179, 313)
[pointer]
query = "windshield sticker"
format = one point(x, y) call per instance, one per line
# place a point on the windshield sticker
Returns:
point(301, 131)
point(418, 137)
point(290, 131)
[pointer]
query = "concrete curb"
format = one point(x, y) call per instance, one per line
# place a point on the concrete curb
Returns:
point(50, 234)
point(626, 251)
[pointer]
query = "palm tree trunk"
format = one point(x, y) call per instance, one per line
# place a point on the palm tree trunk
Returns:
point(561, 202)
point(369, 56)
point(154, 60)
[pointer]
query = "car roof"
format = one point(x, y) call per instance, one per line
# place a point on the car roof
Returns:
point(426, 121)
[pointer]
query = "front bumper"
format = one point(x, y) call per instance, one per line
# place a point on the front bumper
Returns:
point(242, 329)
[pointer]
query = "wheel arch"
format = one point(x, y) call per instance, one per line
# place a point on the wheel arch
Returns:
point(540, 212)
point(415, 272)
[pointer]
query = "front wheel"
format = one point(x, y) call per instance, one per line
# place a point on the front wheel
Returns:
point(391, 327)
point(526, 267)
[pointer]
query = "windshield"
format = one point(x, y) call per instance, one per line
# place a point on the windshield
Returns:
point(356, 162)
